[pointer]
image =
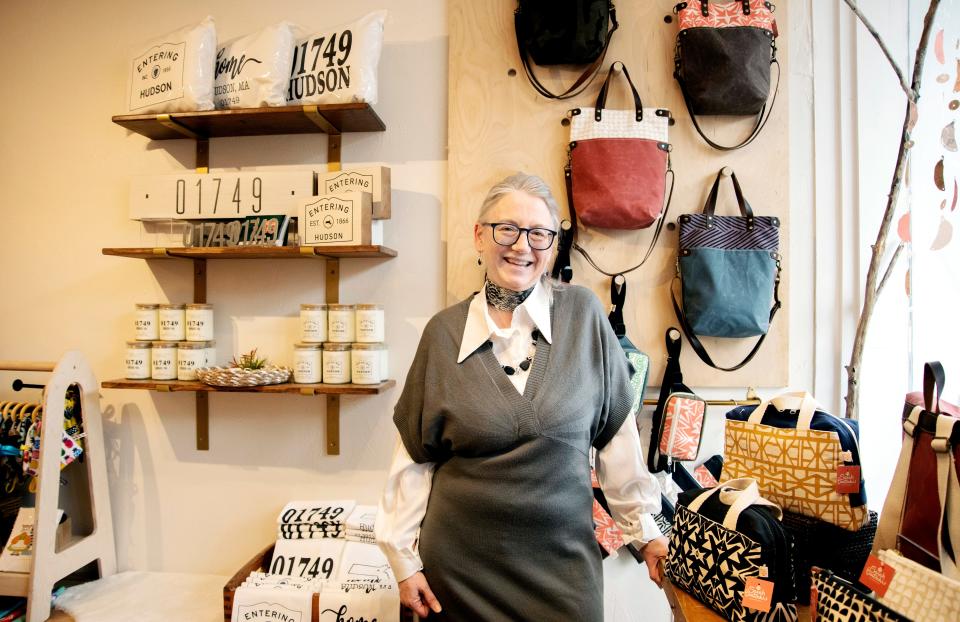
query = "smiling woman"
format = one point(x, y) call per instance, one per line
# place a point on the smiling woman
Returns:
point(508, 392)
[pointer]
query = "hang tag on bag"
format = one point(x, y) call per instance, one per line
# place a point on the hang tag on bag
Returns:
point(877, 575)
point(848, 479)
point(757, 594)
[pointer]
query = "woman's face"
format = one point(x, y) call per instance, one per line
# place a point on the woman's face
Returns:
point(516, 267)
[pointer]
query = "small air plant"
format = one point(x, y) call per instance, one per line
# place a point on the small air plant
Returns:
point(249, 361)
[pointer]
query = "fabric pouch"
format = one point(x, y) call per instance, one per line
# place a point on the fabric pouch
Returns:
point(677, 424)
point(834, 600)
point(918, 592)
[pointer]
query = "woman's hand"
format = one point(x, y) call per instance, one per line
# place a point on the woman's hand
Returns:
point(415, 593)
point(653, 552)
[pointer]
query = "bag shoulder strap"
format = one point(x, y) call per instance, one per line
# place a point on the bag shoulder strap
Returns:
point(582, 82)
point(933, 379)
point(948, 488)
point(892, 512)
point(618, 296)
point(762, 117)
point(697, 345)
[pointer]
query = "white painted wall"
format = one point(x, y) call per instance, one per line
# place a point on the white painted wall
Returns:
point(65, 174)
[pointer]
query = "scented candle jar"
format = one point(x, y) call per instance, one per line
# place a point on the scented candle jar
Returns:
point(336, 363)
point(307, 363)
point(191, 355)
point(147, 322)
point(369, 323)
point(313, 323)
point(365, 363)
point(341, 322)
point(137, 360)
point(211, 354)
point(199, 322)
point(172, 320)
point(163, 360)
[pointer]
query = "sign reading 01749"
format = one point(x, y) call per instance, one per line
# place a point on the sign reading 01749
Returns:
point(191, 196)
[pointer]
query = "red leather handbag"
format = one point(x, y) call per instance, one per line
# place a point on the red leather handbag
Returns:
point(921, 515)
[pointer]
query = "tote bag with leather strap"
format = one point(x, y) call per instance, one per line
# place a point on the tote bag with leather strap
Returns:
point(724, 54)
point(921, 514)
point(564, 32)
point(729, 269)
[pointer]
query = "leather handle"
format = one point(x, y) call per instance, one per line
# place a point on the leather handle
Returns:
point(602, 95)
point(934, 378)
point(710, 206)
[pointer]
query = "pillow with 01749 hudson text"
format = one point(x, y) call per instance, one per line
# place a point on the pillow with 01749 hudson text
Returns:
point(174, 73)
point(251, 71)
point(338, 65)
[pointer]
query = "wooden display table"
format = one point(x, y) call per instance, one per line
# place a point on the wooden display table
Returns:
point(686, 608)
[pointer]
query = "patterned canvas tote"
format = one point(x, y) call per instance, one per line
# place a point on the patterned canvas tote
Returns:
point(919, 593)
point(835, 600)
point(712, 560)
point(798, 456)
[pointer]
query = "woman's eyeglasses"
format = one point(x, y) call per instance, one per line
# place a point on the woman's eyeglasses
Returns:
point(507, 234)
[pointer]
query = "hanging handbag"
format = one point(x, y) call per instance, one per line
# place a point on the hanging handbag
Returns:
point(723, 537)
point(564, 32)
point(724, 54)
point(818, 543)
point(805, 459)
point(677, 426)
point(921, 514)
point(638, 360)
point(834, 600)
point(728, 268)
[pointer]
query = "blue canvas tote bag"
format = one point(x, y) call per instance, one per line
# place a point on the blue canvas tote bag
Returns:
point(729, 269)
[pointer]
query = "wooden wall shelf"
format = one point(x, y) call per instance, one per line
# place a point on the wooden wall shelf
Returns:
point(330, 119)
point(254, 252)
point(287, 387)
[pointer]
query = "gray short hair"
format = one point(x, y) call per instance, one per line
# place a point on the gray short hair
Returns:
point(521, 182)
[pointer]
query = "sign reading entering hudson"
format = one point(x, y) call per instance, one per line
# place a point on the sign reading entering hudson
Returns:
point(344, 219)
point(191, 196)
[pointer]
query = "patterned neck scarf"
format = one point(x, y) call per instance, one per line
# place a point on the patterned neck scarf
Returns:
point(503, 298)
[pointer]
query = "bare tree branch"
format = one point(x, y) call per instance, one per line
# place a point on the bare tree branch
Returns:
point(890, 266)
point(871, 290)
point(911, 94)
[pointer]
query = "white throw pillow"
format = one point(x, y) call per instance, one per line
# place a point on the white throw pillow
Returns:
point(338, 65)
point(174, 73)
point(253, 70)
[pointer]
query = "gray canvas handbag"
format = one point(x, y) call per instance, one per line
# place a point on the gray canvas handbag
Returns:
point(728, 268)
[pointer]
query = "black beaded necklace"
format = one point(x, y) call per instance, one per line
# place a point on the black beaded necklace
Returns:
point(525, 363)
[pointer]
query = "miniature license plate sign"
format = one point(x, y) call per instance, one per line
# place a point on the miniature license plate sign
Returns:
point(190, 196)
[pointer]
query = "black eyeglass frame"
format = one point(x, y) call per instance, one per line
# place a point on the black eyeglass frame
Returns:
point(493, 232)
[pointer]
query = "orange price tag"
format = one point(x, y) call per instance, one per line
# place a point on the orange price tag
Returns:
point(848, 479)
point(877, 575)
point(758, 594)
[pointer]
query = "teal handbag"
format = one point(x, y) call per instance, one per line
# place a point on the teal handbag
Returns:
point(729, 269)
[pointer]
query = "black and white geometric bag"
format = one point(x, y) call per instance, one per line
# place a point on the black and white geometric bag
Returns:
point(835, 600)
point(721, 537)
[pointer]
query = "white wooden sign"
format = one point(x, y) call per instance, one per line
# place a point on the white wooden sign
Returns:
point(344, 219)
point(187, 196)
